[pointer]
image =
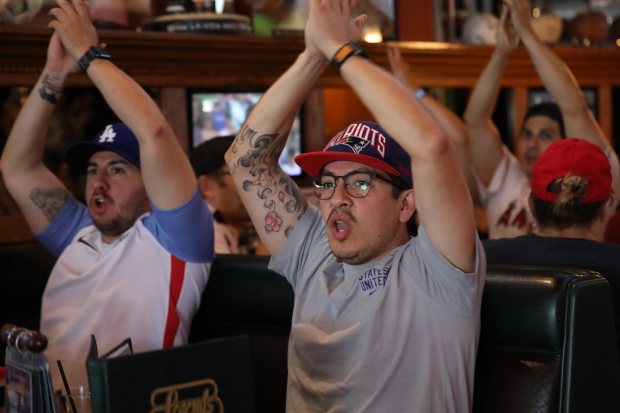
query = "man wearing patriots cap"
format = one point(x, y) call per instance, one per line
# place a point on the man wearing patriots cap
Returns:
point(130, 262)
point(382, 322)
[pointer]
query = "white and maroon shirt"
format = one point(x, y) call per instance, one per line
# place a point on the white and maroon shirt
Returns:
point(505, 199)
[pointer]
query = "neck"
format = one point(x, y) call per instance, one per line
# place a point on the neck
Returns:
point(592, 233)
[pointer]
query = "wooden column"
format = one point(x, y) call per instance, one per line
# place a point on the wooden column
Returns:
point(415, 20)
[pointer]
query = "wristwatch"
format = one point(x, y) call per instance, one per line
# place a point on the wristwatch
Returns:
point(91, 54)
point(347, 50)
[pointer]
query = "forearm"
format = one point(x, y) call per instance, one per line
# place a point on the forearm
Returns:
point(562, 85)
point(554, 73)
point(24, 148)
point(275, 112)
point(270, 196)
point(394, 107)
point(484, 95)
point(39, 194)
point(167, 174)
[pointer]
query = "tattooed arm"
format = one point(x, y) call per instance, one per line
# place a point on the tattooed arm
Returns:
point(268, 193)
point(38, 192)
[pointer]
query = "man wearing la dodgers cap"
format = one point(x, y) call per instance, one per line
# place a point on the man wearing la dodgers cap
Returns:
point(382, 322)
point(135, 259)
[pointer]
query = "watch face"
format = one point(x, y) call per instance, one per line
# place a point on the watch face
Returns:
point(100, 53)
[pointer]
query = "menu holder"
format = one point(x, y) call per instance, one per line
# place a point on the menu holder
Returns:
point(28, 385)
point(210, 376)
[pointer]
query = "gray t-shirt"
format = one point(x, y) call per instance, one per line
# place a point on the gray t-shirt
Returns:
point(397, 334)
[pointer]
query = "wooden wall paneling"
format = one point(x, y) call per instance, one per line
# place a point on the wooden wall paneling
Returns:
point(173, 104)
point(314, 121)
point(342, 106)
point(605, 110)
point(415, 20)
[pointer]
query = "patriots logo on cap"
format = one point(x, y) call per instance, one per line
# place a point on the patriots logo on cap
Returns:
point(356, 144)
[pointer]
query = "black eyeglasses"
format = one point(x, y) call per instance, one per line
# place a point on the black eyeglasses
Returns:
point(356, 183)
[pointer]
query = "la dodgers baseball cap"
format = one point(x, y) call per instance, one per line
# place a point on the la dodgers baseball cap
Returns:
point(572, 156)
point(362, 142)
point(116, 137)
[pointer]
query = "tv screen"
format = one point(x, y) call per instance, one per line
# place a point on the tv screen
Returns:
point(224, 113)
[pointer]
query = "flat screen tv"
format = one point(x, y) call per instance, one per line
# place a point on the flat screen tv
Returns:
point(217, 113)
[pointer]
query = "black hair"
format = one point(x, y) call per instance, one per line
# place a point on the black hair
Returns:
point(208, 157)
point(550, 110)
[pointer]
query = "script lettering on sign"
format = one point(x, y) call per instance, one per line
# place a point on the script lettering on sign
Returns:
point(199, 396)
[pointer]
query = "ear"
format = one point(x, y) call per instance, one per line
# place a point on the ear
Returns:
point(408, 207)
point(609, 208)
point(205, 184)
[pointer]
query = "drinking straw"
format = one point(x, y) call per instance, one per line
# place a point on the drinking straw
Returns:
point(66, 383)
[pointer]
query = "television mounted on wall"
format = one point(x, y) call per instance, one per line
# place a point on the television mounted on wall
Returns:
point(223, 112)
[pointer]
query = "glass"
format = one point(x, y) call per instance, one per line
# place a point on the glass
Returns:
point(356, 183)
point(78, 402)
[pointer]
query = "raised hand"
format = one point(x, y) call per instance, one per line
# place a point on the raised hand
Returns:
point(72, 23)
point(330, 25)
point(520, 16)
point(507, 39)
point(400, 68)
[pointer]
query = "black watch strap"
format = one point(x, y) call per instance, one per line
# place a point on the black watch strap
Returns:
point(91, 54)
point(346, 51)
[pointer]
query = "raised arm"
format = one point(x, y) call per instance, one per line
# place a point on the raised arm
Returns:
point(450, 122)
point(166, 171)
point(271, 197)
point(556, 77)
point(485, 143)
point(443, 201)
point(39, 194)
point(561, 84)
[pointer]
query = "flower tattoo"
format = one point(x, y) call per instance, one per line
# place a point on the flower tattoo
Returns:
point(273, 222)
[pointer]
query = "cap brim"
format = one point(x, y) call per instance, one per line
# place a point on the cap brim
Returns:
point(79, 154)
point(313, 162)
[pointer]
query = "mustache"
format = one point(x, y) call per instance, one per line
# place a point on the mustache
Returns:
point(340, 211)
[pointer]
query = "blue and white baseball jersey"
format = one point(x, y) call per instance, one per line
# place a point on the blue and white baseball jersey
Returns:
point(145, 285)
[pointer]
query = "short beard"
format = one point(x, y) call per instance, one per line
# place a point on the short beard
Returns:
point(114, 227)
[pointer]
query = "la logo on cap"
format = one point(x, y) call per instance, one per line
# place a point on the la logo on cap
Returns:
point(107, 135)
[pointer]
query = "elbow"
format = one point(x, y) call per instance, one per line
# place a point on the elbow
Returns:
point(437, 144)
point(574, 107)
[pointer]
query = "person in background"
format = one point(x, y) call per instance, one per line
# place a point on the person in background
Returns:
point(381, 321)
point(571, 201)
point(130, 262)
point(234, 231)
point(504, 179)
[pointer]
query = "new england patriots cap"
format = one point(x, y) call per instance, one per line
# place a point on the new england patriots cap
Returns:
point(362, 142)
point(116, 137)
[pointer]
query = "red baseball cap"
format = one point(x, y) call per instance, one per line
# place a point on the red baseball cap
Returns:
point(363, 142)
point(576, 157)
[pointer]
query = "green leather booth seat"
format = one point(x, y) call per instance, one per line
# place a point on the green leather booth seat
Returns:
point(547, 342)
point(243, 297)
